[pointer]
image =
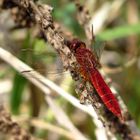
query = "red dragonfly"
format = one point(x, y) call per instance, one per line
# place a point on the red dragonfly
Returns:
point(89, 70)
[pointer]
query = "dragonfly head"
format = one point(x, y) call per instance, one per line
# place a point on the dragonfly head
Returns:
point(75, 44)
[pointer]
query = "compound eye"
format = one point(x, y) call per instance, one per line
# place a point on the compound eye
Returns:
point(74, 46)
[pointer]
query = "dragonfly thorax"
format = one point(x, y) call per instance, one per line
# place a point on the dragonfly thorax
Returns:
point(85, 58)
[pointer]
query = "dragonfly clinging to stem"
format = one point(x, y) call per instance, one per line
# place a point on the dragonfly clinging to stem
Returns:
point(89, 63)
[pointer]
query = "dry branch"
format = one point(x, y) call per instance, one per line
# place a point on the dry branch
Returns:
point(45, 125)
point(12, 129)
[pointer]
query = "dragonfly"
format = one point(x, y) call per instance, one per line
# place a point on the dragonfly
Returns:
point(88, 67)
point(89, 64)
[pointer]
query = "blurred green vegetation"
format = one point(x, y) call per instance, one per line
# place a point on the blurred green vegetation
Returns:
point(121, 37)
point(119, 32)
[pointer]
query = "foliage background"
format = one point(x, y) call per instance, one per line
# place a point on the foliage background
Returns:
point(121, 34)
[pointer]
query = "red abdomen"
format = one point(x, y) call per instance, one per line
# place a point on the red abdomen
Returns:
point(104, 92)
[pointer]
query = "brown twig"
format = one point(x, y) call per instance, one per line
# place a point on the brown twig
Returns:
point(12, 129)
point(132, 16)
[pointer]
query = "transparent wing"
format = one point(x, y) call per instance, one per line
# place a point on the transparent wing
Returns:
point(46, 62)
point(98, 47)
